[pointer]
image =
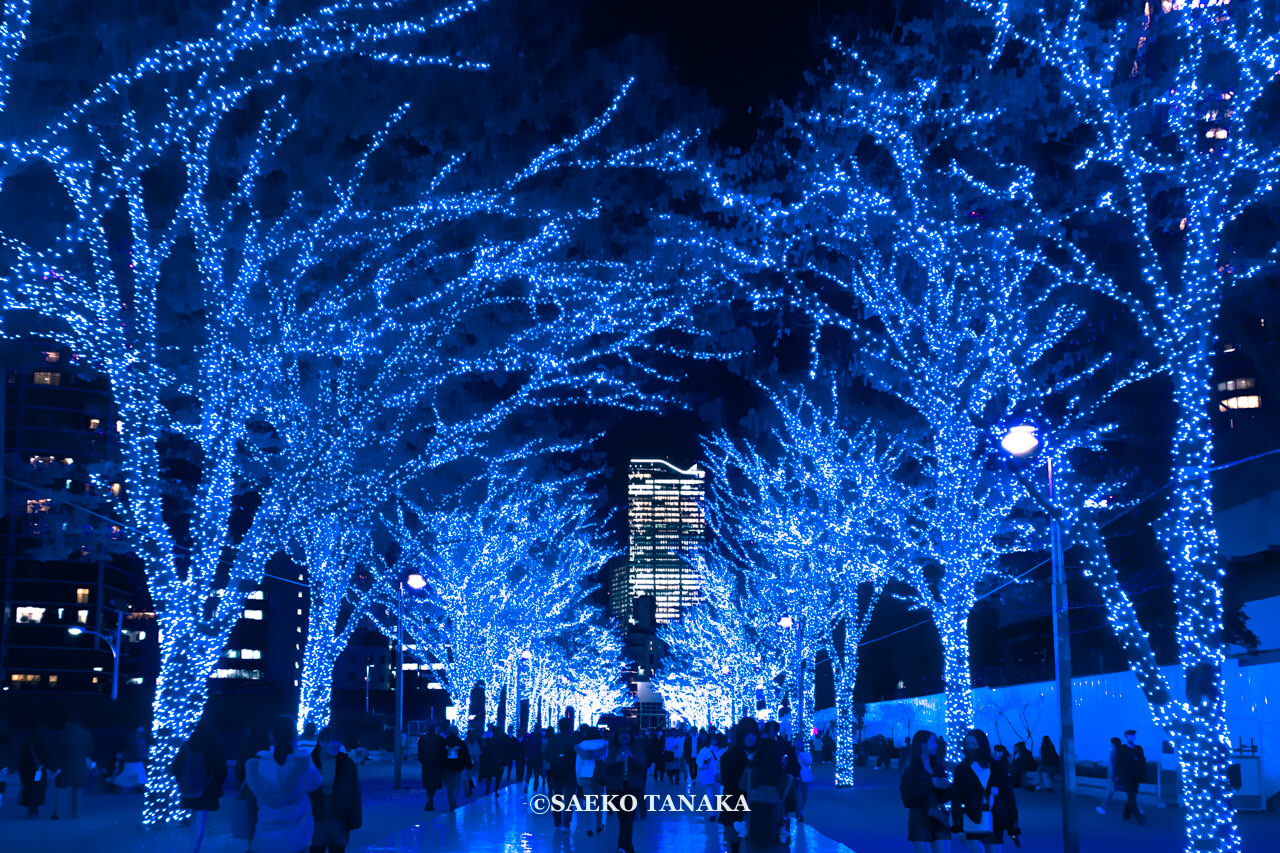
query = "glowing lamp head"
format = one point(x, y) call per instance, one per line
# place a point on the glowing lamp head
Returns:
point(526, 655)
point(416, 581)
point(724, 670)
point(785, 622)
point(1020, 440)
point(75, 632)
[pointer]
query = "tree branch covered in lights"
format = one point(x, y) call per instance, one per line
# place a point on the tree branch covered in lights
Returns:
point(160, 277)
point(821, 514)
point(1171, 111)
point(965, 313)
point(505, 571)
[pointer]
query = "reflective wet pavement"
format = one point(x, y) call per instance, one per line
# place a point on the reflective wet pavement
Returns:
point(505, 825)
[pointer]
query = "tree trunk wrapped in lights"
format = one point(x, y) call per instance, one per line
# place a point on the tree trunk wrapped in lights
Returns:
point(1174, 163)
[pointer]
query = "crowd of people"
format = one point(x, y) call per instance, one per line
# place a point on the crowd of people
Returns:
point(289, 801)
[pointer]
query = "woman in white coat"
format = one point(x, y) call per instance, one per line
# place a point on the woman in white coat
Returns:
point(281, 778)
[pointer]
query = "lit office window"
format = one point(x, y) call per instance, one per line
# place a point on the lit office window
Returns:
point(253, 614)
point(1250, 401)
point(1243, 384)
point(47, 377)
point(30, 614)
point(51, 357)
point(82, 595)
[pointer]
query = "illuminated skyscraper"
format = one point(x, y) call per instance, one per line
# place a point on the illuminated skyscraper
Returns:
point(666, 521)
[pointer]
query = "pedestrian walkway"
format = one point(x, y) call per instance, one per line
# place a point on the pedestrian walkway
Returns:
point(504, 824)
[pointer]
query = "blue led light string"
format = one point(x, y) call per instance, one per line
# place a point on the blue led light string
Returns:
point(1215, 62)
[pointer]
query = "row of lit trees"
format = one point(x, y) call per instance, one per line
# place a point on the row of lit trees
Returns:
point(321, 346)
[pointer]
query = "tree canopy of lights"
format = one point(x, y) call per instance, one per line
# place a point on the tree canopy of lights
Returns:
point(1169, 113)
point(161, 292)
point(238, 339)
point(507, 571)
point(961, 310)
point(819, 510)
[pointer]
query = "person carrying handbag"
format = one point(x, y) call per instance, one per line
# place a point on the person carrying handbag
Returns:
point(983, 806)
point(925, 790)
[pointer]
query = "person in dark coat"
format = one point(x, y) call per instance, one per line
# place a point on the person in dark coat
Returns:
point(1131, 770)
point(560, 768)
point(335, 805)
point(455, 762)
point(491, 760)
point(924, 789)
point(625, 771)
point(33, 768)
point(532, 747)
point(200, 769)
point(430, 746)
point(1050, 764)
point(733, 766)
point(71, 750)
point(1022, 764)
point(982, 784)
point(517, 755)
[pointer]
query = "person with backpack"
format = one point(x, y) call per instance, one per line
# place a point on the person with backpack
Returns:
point(200, 769)
point(281, 780)
point(983, 807)
point(589, 752)
point(925, 788)
point(560, 779)
point(335, 805)
point(455, 763)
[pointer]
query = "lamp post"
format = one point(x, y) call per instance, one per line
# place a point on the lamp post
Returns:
point(415, 582)
point(113, 644)
point(525, 655)
point(1022, 442)
point(786, 622)
point(367, 667)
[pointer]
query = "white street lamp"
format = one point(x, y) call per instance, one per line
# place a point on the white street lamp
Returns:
point(1022, 441)
point(113, 643)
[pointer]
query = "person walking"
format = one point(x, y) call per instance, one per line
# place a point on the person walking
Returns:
point(625, 771)
point(335, 805)
point(708, 761)
point(590, 750)
point(804, 759)
point(983, 806)
point(1050, 764)
point(532, 748)
point(455, 763)
point(689, 747)
point(560, 779)
point(517, 755)
point(733, 767)
point(491, 760)
point(1131, 768)
point(131, 773)
point(473, 768)
point(281, 779)
point(1113, 778)
point(430, 746)
point(200, 769)
point(71, 750)
point(925, 788)
point(34, 760)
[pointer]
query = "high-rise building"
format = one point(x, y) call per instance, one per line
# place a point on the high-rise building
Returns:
point(665, 518)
